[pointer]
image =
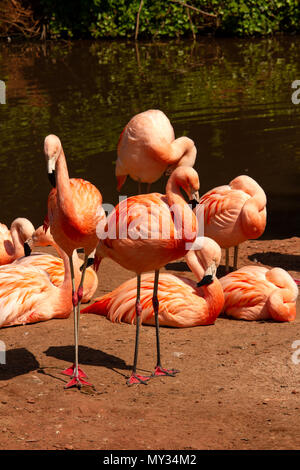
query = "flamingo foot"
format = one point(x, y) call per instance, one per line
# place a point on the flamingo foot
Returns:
point(161, 371)
point(70, 371)
point(137, 379)
point(77, 382)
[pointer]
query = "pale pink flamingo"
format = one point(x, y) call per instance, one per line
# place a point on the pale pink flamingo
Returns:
point(12, 241)
point(74, 211)
point(259, 293)
point(146, 232)
point(234, 213)
point(27, 295)
point(147, 148)
point(183, 303)
point(54, 265)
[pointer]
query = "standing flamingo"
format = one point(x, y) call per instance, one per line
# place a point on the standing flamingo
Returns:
point(74, 210)
point(147, 147)
point(234, 213)
point(27, 295)
point(182, 302)
point(146, 232)
point(259, 293)
point(12, 241)
point(54, 266)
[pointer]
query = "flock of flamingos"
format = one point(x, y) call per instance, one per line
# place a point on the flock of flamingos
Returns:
point(38, 286)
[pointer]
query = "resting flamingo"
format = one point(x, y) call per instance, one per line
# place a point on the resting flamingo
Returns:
point(54, 266)
point(182, 302)
point(135, 238)
point(74, 210)
point(147, 148)
point(259, 293)
point(27, 295)
point(12, 241)
point(234, 213)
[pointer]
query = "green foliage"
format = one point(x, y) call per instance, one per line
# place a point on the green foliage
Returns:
point(117, 18)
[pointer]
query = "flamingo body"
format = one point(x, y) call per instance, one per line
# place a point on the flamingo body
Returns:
point(147, 146)
point(234, 213)
point(258, 293)
point(181, 303)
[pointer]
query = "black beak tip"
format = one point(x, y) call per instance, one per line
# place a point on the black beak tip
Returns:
point(52, 178)
point(90, 262)
point(27, 249)
point(193, 203)
point(208, 279)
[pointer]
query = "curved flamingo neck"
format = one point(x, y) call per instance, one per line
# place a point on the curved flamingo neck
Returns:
point(214, 296)
point(63, 187)
point(173, 191)
point(17, 243)
point(184, 151)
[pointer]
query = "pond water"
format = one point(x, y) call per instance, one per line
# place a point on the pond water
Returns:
point(231, 96)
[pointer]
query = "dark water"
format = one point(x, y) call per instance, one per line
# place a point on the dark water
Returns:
point(232, 97)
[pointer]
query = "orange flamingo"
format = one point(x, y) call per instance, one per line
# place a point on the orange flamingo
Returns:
point(12, 241)
point(144, 233)
point(27, 295)
point(74, 210)
point(259, 293)
point(147, 148)
point(54, 266)
point(182, 302)
point(234, 213)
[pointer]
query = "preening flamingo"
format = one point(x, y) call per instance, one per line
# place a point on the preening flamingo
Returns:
point(147, 147)
point(12, 241)
point(27, 295)
point(182, 303)
point(74, 210)
point(259, 293)
point(234, 213)
point(54, 265)
point(146, 232)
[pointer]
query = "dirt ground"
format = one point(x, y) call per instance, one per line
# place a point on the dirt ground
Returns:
point(238, 387)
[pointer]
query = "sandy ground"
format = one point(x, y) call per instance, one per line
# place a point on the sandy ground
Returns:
point(238, 387)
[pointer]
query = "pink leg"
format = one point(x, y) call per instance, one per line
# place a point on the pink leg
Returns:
point(136, 378)
point(159, 370)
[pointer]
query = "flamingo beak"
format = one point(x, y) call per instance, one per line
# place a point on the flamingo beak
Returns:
point(194, 201)
point(51, 172)
point(209, 275)
point(27, 247)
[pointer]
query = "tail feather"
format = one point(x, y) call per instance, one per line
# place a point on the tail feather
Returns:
point(100, 307)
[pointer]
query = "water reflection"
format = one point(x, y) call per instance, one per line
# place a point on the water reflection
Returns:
point(232, 97)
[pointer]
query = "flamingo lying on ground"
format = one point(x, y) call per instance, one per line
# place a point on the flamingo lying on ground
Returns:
point(74, 210)
point(234, 213)
point(258, 293)
point(182, 302)
point(27, 295)
point(12, 241)
point(143, 234)
point(147, 147)
point(54, 266)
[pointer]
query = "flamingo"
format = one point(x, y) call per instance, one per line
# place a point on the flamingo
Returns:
point(12, 241)
point(27, 295)
point(147, 148)
point(54, 266)
point(234, 213)
point(182, 302)
point(259, 293)
point(74, 211)
point(143, 234)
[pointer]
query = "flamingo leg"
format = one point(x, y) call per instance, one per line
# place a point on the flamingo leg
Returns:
point(139, 187)
point(227, 260)
point(136, 378)
point(75, 371)
point(236, 249)
point(159, 370)
point(148, 187)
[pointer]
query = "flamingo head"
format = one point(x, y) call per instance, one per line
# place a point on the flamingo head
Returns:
point(52, 150)
point(186, 178)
